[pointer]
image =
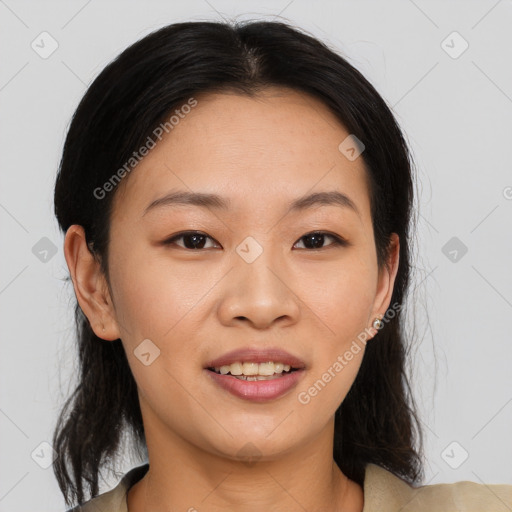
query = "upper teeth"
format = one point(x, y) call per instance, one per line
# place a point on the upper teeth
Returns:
point(268, 368)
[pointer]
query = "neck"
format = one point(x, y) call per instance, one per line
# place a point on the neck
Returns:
point(185, 477)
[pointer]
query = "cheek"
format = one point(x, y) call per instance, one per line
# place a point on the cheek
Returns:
point(341, 296)
point(156, 301)
point(152, 296)
point(341, 299)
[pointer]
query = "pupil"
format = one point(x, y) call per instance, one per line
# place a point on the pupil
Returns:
point(194, 245)
point(317, 238)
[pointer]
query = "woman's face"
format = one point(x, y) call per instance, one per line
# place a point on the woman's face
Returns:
point(254, 281)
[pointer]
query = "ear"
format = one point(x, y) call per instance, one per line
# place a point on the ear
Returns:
point(386, 280)
point(90, 284)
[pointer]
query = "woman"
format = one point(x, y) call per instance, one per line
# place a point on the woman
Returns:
point(237, 203)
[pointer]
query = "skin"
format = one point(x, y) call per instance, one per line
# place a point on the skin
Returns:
point(196, 304)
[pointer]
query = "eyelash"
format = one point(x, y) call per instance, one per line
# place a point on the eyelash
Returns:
point(337, 240)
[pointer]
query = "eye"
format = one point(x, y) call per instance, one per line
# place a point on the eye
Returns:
point(197, 240)
point(316, 239)
point(192, 240)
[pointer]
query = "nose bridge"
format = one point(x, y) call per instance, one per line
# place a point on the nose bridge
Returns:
point(259, 290)
point(258, 278)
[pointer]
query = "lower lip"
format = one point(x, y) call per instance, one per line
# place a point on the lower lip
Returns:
point(257, 390)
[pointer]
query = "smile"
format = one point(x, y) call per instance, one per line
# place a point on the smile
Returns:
point(253, 371)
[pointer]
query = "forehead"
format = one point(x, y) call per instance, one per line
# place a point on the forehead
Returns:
point(258, 151)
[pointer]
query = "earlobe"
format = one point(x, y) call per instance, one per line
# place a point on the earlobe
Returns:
point(90, 284)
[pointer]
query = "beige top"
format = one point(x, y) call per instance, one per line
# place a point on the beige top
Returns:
point(383, 492)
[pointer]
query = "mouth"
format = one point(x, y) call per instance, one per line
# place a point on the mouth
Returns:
point(256, 374)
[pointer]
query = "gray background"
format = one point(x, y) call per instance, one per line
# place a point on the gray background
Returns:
point(455, 109)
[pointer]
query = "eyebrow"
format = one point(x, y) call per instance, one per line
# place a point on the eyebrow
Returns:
point(216, 202)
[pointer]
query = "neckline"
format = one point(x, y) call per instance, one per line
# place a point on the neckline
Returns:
point(137, 473)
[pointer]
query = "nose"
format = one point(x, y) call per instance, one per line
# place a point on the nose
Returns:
point(260, 293)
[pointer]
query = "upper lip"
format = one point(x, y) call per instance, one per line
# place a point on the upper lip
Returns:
point(256, 355)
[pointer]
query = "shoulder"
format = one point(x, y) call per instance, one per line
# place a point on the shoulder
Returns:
point(385, 492)
point(115, 499)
